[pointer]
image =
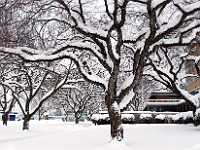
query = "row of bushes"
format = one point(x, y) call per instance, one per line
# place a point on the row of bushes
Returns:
point(180, 118)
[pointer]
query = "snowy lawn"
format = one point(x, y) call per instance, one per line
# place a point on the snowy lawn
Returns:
point(56, 135)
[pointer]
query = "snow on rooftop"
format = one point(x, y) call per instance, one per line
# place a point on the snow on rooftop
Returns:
point(165, 102)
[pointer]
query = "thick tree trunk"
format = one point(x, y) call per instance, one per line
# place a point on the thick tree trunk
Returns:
point(39, 115)
point(76, 119)
point(26, 123)
point(112, 101)
point(115, 119)
point(116, 124)
point(5, 119)
point(66, 117)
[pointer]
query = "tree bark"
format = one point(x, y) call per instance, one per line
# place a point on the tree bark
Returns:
point(116, 123)
point(39, 114)
point(76, 119)
point(112, 103)
point(26, 123)
point(115, 119)
point(5, 118)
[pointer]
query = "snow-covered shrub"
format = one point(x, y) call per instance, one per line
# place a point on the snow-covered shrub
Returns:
point(169, 118)
point(104, 118)
point(100, 119)
point(128, 118)
point(160, 118)
point(183, 117)
point(146, 118)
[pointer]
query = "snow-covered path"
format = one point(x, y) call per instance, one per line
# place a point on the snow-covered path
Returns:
point(54, 135)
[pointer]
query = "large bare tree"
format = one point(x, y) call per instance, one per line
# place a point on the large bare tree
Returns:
point(105, 29)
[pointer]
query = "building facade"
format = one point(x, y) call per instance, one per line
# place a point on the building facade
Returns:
point(167, 102)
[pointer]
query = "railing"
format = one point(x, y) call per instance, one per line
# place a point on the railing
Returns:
point(143, 112)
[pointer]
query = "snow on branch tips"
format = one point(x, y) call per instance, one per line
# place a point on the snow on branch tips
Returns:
point(189, 7)
point(54, 54)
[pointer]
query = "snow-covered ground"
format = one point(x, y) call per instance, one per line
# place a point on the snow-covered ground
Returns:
point(57, 135)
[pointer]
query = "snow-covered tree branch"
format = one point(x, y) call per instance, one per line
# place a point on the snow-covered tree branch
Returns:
point(101, 37)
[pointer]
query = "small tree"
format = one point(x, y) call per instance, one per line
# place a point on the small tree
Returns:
point(79, 101)
point(8, 64)
point(32, 82)
point(7, 102)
